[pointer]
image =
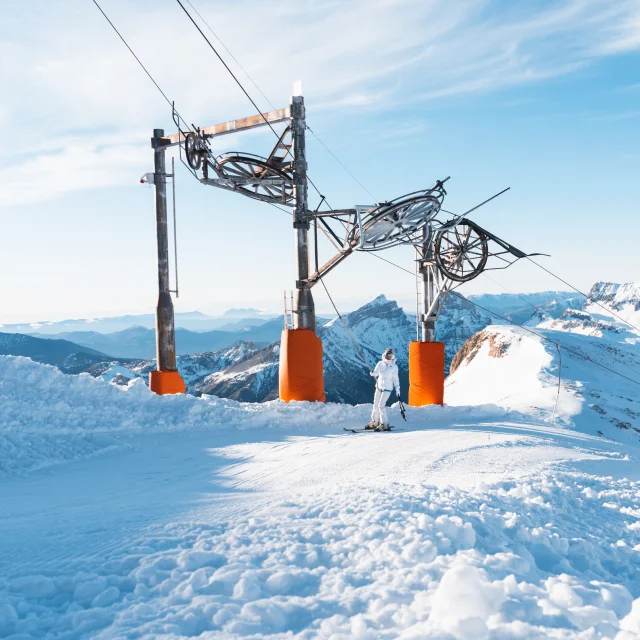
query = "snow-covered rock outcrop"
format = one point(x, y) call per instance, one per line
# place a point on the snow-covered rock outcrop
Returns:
point(594, 377)
point(623, 299)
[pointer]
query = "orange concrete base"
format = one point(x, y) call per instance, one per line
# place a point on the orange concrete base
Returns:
point(165, 382)
point(301, 375)
point(426, 373)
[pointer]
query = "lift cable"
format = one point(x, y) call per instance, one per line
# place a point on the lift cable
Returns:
point(539, 335)
point(255, 84)
point(346, 328)
point(164, 95)
point(215, 35)
point(335, 157)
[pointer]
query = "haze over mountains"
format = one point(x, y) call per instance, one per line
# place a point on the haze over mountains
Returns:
point(230, 320)
point(140, 342)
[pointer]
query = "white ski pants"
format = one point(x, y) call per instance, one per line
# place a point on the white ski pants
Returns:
point(379, 413)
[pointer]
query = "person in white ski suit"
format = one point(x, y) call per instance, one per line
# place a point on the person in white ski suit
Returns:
point(386, 375)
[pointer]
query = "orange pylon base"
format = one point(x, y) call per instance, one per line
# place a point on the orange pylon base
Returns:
point(166, 382)
point(426, 373)
point(301, 375)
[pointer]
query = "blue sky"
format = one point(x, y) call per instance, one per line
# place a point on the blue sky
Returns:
point(543, 97)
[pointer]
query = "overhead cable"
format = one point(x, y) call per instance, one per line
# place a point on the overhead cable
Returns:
point(164, 95)
point(215, 35)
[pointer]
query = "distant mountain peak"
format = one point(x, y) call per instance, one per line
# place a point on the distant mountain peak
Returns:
point(615, 293)
point(241, 313)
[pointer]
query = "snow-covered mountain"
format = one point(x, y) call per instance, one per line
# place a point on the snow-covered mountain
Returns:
point(594, 377)
point(251, 378)
point(375, 326)
point(511, 512)
point(520, 307)
point(192, 320)
point(248, 371)
point(576, 321)
point(623, 299)
point(67, 356)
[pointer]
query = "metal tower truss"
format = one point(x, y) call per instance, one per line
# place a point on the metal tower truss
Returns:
point(451, 249)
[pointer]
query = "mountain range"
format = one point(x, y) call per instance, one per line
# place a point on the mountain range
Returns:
point(519, 307)
point(247, 371)
point(140, 342)
point(243, 365)
point(230, 320)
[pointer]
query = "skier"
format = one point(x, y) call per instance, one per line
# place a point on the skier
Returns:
point(386, 375)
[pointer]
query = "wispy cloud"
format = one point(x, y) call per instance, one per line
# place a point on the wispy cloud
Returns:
point(70, 75)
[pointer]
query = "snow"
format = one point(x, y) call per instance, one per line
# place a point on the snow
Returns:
point(520, 371)
point(115, 370)
point(622, 299)
point(128, 515)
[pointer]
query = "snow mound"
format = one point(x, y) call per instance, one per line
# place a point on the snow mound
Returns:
point(48, 417)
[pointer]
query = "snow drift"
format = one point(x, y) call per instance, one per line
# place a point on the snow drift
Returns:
point(48, 417)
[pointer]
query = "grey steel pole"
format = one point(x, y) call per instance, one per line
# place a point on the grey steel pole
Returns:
point(165, 328)
point(304, 313)
point(428, 289)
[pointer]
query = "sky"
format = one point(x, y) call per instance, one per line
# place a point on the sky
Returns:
point(540, 97)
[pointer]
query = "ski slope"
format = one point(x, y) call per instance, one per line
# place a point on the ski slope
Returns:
point(126, 515)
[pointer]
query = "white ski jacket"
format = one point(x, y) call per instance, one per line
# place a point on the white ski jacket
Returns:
point(386, 374)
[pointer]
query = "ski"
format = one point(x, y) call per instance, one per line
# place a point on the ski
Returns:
point(371, 430)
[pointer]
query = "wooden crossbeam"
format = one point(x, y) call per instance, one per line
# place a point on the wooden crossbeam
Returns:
point(242, 124)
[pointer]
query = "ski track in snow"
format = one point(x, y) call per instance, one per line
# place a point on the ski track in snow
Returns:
point(214, 519)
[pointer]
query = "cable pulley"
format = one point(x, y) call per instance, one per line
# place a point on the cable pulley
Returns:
point(461, 252)
point(193, 150)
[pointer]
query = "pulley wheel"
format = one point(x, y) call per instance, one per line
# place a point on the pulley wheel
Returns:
point(271, 183)
point(193, 151)
point(461, 252)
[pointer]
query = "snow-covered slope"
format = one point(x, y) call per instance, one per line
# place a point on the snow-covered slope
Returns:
point(215, 519)
point(513, 368)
